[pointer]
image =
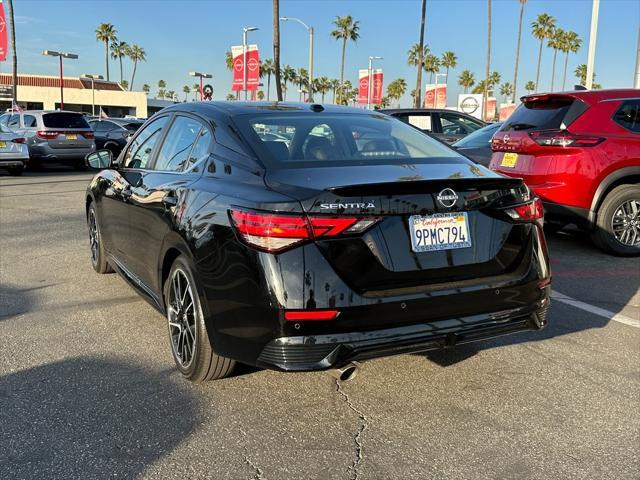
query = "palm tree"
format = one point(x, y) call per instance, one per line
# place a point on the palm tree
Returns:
point(449, 60)
point(334, 85)
point(186, 90)
point(230, 97)
point(106, 33)
point(276, 47)
point(347, 29)
point(494, 79)
point(479, 88)
point(161, 86)
point(557, 43)
point(466, 80)
point(195, 88)
point(146, 88)
point(542, 29)
point(14, 55)
point(431, 65)
point(119, 49)
point(581, 74)
point(515, 73)
point(572, 44)
point(170, 95)
point(485, 90)
point(124, 84)
point(530, 86)
point(421, 55)
point(161, 93)
point(396, 89)
point(303, 81)
point(506, 90)
point(228, 60)
point(288, 75)
point(268, 68)
point(324, 85)
point(136, 54)
point(413, 55)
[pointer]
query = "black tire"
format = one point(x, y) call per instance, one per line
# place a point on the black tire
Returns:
point(16, 171)
point(97, 253)
point(79, 166)
point(197, 363)
point(604, 236)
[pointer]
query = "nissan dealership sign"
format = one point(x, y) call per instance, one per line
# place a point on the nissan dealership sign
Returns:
point(470, 104)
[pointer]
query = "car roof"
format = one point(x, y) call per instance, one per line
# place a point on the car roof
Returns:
point(232, 108)
point(588, 96)
point(42, 112)
point(421, 110)
point(116, 120)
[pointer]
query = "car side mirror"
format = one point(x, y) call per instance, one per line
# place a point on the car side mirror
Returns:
point(99, 160)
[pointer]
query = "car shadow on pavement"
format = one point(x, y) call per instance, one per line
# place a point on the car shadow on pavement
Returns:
point(90, 418)
point(16, 301)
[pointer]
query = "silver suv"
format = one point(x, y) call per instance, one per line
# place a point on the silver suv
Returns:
point(53, 136)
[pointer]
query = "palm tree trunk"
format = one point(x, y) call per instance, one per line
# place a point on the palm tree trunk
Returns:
point(539, 60)
point(515, 73)
point(133, 75)
point(553, 68)
point(344, 47)
point(284, 91)
point(268, 84)
point(322, 97)
point(276, 47)
point(14, 55)
point(120, 58)
point(416, 98)
point(485, 93)
point(106, 56)
point(564, 76)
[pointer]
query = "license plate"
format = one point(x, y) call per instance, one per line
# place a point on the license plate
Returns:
point(3, 144)
point(442, 231)
point(509, 160)
point(71, 136)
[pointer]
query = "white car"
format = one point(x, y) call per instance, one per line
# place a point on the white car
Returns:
point(14, 154)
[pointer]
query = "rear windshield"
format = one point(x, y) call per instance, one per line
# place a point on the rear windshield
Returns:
point(132, 127)
point(64, 120)
point(315, 139)
point(550, 114)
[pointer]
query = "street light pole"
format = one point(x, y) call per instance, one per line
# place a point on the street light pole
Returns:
point(60, 55)
point(310, 30)
point(592, 43)
point(370, 80)
point(93, 77)
point(245, 30)
point(201, 76)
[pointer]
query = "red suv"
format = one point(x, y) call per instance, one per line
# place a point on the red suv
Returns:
point(580, 152)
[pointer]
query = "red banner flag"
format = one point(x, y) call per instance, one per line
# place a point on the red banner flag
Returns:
point(363, 87)
point(490, 110)
point(506, 109)
point(3, 34)
point(253, 68)
point(435, 96)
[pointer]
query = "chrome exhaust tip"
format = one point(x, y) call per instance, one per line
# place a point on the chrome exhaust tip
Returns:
point(346, 373)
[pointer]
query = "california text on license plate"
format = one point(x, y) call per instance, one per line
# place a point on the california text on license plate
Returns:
point(442, 231)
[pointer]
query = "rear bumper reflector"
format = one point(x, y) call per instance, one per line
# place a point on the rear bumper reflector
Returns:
point(310, 315)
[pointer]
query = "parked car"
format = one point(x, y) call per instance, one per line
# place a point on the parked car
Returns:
point(113, 133)
point(580, 153)
point(446, 125)
point(316, 254)
point(477, 145)
point(53, 136)
point(14, 154)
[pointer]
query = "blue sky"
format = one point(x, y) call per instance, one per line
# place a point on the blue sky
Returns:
point(183, 35)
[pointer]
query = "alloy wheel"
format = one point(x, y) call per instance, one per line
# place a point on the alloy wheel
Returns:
point(181, 314)
point(94, 237)
point(625, 223)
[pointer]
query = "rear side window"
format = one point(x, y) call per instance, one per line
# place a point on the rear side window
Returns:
point(30, 121)
point(141, 148)
point(548, 114)
point(14, 121)
point(628, 115)
point(174, 154)
point(64, 120)
point(324, 140)
point(479, 138)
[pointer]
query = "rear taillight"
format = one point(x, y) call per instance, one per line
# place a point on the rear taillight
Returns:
point(88, 135)
point(47, 135)
point(564, 138)
point(527, 212)
point(275, 232)
point(19, 140)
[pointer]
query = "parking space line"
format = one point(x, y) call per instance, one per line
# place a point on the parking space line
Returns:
point(601, 312)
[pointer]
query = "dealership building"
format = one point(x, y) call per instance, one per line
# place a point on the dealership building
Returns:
point(39, 92)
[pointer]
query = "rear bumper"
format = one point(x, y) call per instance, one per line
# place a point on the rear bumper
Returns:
point(318, 352)
point(557, 213)
point(46, 153)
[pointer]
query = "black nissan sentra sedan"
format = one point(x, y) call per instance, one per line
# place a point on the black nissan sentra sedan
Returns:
point(306, 237)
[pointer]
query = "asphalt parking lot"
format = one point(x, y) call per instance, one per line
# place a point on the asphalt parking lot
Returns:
point(88, 388)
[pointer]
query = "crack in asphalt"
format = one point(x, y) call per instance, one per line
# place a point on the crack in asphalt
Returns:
point(259, 474)
point(365, 422)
